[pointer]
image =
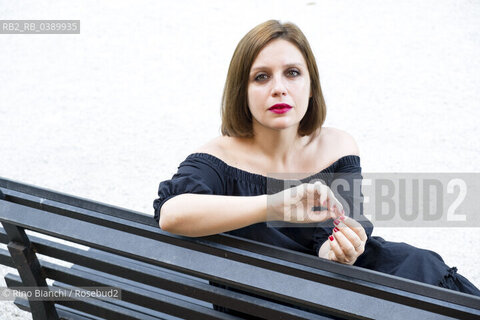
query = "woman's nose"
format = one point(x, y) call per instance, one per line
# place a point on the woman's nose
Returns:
point(279, 88)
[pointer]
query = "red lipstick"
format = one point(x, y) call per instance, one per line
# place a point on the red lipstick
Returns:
point(280, 108)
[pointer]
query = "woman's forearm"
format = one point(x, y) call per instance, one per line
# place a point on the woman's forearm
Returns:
point(197, 215)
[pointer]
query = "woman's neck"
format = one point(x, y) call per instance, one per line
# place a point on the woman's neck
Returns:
point(280, 148)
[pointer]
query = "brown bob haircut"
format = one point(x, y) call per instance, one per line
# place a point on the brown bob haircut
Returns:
point(236, 116)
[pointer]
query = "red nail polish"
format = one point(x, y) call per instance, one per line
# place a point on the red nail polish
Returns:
point(336, 229)
point(331, 238)
point(342, 218)
point(336, 222)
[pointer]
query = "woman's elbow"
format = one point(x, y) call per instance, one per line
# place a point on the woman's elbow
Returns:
point(168, 219)
point(168, 223)
point(164, 223)
point(174, 219)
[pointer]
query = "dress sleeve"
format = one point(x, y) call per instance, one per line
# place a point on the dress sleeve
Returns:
point(345, 182)
point(194, 175)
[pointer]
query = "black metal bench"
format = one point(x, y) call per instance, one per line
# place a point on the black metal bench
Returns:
point(163, 276)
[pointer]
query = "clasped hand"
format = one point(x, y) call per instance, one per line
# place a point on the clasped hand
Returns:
point(346, 243)
point(297, 204)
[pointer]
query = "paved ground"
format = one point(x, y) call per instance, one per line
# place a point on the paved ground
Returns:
point(109, 113)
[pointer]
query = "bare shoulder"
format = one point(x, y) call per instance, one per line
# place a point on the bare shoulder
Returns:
point(337, 142)
point(215, 147)
point(221, 147)
point(233, 151)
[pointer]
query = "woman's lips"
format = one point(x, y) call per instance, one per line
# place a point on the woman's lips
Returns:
point(280, 108)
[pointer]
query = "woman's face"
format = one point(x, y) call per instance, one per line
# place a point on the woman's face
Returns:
point(278, 86)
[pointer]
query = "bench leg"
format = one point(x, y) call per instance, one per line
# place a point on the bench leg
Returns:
point(29, 270)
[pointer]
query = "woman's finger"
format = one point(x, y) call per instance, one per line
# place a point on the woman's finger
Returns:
point(335, 205)
point(335, 249)
point(350, 235)
point(331, 256)
point(317, 216)
point(347, 247)
point(327, 198)
point(355, 226)
point(322, 191)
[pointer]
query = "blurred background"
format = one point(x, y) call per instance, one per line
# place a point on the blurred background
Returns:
point(109, 113)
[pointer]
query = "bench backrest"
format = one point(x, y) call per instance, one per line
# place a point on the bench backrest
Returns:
point(164, 276)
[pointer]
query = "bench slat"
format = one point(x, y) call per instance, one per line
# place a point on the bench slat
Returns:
point(283, 287)
point(92, 307)
point(150, 300)
point(75, 201)
point(139, 296)
point(63, 312)
point(354, 279)
point(165, 279)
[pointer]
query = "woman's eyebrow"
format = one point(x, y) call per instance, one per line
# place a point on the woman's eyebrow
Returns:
point(290, 65)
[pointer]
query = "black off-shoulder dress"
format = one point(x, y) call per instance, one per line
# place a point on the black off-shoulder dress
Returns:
point(203, 173)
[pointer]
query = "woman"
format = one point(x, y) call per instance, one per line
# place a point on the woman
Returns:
point(272, 115)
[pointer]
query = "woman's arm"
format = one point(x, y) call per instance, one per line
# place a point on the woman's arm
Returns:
point(197, 215)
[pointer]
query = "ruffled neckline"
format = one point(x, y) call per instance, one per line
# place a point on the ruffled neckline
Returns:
point(261, 179)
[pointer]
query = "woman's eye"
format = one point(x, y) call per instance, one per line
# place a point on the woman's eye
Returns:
point(293, 73)
point(261, 77)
